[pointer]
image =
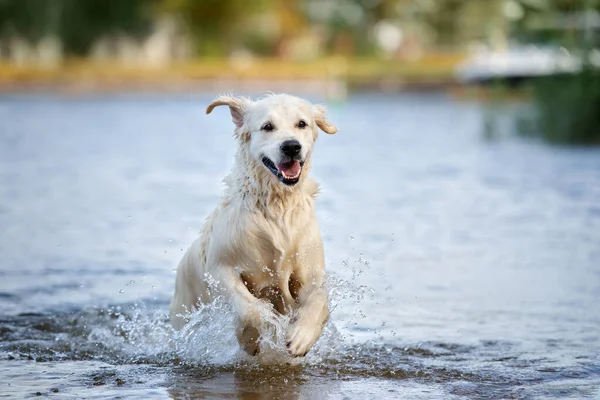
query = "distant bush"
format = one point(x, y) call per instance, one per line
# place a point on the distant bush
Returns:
point(567, 109)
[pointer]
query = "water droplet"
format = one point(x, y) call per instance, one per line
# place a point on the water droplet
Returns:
point(121, 291)
point(351, 237)
point(81, 285)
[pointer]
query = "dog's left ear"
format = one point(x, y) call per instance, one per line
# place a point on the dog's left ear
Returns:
point(237, 107)
point(321, 121)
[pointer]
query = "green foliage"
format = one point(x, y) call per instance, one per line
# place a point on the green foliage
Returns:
point(259, 44)
point(78, 23)
point(214, 23)
point(542, 20)
point(568, 108)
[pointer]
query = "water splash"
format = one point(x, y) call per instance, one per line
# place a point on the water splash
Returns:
point(144, 334)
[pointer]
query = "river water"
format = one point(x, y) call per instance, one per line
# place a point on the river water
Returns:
point(459, 266)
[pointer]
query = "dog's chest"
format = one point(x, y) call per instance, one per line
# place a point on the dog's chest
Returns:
point(282, 242)
point(278, 256)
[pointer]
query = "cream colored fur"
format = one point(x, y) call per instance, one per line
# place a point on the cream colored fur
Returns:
point(262, 242)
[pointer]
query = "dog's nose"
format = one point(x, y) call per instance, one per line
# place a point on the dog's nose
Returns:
point(291, 148)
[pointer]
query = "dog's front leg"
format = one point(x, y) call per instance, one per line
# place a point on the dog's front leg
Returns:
point(311, 317)
point(247, 308)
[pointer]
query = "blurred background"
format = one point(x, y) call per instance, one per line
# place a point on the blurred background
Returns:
point(327, 47)
point(361, 42)
point(460, 208)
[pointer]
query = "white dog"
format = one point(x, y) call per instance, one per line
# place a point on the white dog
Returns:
point(262, 243)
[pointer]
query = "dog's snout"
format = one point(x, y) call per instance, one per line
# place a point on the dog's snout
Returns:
point(291, 148)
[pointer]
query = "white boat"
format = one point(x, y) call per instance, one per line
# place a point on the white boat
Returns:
point(519, 62)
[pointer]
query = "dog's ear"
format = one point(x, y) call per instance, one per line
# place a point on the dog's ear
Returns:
point(237, 107)
point(322, 122)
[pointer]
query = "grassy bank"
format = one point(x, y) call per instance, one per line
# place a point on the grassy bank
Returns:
point(432, 69)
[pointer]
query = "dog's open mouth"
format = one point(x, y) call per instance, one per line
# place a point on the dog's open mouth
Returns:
point(287, 172)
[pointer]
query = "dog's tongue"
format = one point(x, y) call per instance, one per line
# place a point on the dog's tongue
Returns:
point(291, 168)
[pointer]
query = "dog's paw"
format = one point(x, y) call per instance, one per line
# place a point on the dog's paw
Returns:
point(248, 338)
point(301, 337)
point(250, 324)
point(254, 313)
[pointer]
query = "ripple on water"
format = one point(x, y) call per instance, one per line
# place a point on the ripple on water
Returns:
point(471, 242)
point(133, 343)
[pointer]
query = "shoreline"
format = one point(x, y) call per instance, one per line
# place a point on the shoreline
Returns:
point(329, 88)
point(331, 91)
point(332, 77)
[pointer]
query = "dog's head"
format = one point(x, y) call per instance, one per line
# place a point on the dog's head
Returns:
point(278, 131)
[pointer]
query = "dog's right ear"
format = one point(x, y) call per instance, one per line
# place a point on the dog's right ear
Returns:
point(237, 108)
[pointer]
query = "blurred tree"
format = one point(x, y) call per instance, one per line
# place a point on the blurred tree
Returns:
point(78, 23)
point(291, 21)
point(543, 21)
point(450, 22)
point(215, 24)
point(566, 104)
point(348, 22)
point(443, 17)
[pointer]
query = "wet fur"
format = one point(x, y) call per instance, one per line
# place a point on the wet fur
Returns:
point(262, 242)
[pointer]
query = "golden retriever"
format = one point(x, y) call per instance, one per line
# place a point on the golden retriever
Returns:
point(262, 242)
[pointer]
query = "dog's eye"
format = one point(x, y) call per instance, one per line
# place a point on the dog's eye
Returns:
point(267, 127)
point(301, 124)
